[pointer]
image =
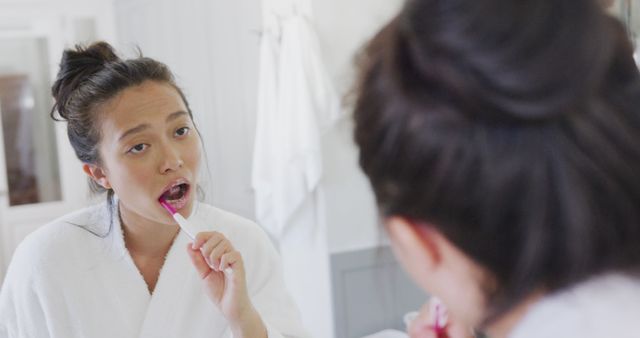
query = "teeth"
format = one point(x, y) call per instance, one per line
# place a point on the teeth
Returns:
point(175, 189)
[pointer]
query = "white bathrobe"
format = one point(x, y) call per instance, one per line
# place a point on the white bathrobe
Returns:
point(64, 282)
point(603, 307)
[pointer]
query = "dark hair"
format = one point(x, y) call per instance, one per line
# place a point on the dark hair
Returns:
point(513, 128)
point(89, 77)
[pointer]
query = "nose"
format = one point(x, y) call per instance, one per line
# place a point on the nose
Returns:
point(170, 160)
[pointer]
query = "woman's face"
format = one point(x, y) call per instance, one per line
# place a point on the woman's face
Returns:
point(149, 148)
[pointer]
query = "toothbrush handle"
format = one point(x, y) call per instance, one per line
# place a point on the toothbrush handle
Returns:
point(184, 226)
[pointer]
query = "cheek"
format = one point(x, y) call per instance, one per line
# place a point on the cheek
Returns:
point(193, 154)
point(130, 177)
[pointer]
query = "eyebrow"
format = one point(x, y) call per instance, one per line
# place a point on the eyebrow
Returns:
point(144, 126)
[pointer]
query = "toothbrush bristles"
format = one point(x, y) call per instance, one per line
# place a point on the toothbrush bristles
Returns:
point(166, 205)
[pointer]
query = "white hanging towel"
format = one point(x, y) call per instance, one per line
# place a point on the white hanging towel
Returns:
point(296, 102)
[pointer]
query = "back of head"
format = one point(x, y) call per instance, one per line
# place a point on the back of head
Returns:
point(513, 128)
point(88, 78)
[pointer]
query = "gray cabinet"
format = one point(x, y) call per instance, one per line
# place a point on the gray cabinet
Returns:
point(371, 292)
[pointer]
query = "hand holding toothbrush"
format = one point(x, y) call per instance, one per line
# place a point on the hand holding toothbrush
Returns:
point(433, 321)
point(212, 253)
point(222, 270)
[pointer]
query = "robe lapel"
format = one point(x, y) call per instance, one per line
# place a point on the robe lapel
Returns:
point(179, 306)
point(124, 289)
point(170, 286)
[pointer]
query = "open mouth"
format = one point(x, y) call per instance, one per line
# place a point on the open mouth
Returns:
point(177, 195)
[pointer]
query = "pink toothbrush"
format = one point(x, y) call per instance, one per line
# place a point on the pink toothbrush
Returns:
point(184, 226)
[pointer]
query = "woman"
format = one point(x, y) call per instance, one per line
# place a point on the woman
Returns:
point(121, 269)
point(502, 141)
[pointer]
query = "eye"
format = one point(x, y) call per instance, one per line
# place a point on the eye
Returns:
point(182, 131)
point(138, 148)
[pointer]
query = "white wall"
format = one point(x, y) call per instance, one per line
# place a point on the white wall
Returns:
point(343, 28)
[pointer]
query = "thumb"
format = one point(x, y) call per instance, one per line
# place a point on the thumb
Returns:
point(198, 262)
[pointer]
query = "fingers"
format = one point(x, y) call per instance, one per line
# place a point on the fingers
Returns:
point(213, 246)
point(198, 261)
point(207, 238)
point(421, 326)
point(424, 333)
point(229, 259)
point(433, 321)
point(216, 253)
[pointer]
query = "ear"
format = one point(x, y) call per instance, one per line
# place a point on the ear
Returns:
point(97, 174)
point(417, 247)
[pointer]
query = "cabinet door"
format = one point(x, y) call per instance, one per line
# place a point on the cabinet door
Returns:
point(40, 178)
point(30, 152)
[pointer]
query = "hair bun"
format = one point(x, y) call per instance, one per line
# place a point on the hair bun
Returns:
point(77, 66)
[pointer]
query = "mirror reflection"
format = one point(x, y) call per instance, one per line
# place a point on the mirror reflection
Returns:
point(263, 168)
